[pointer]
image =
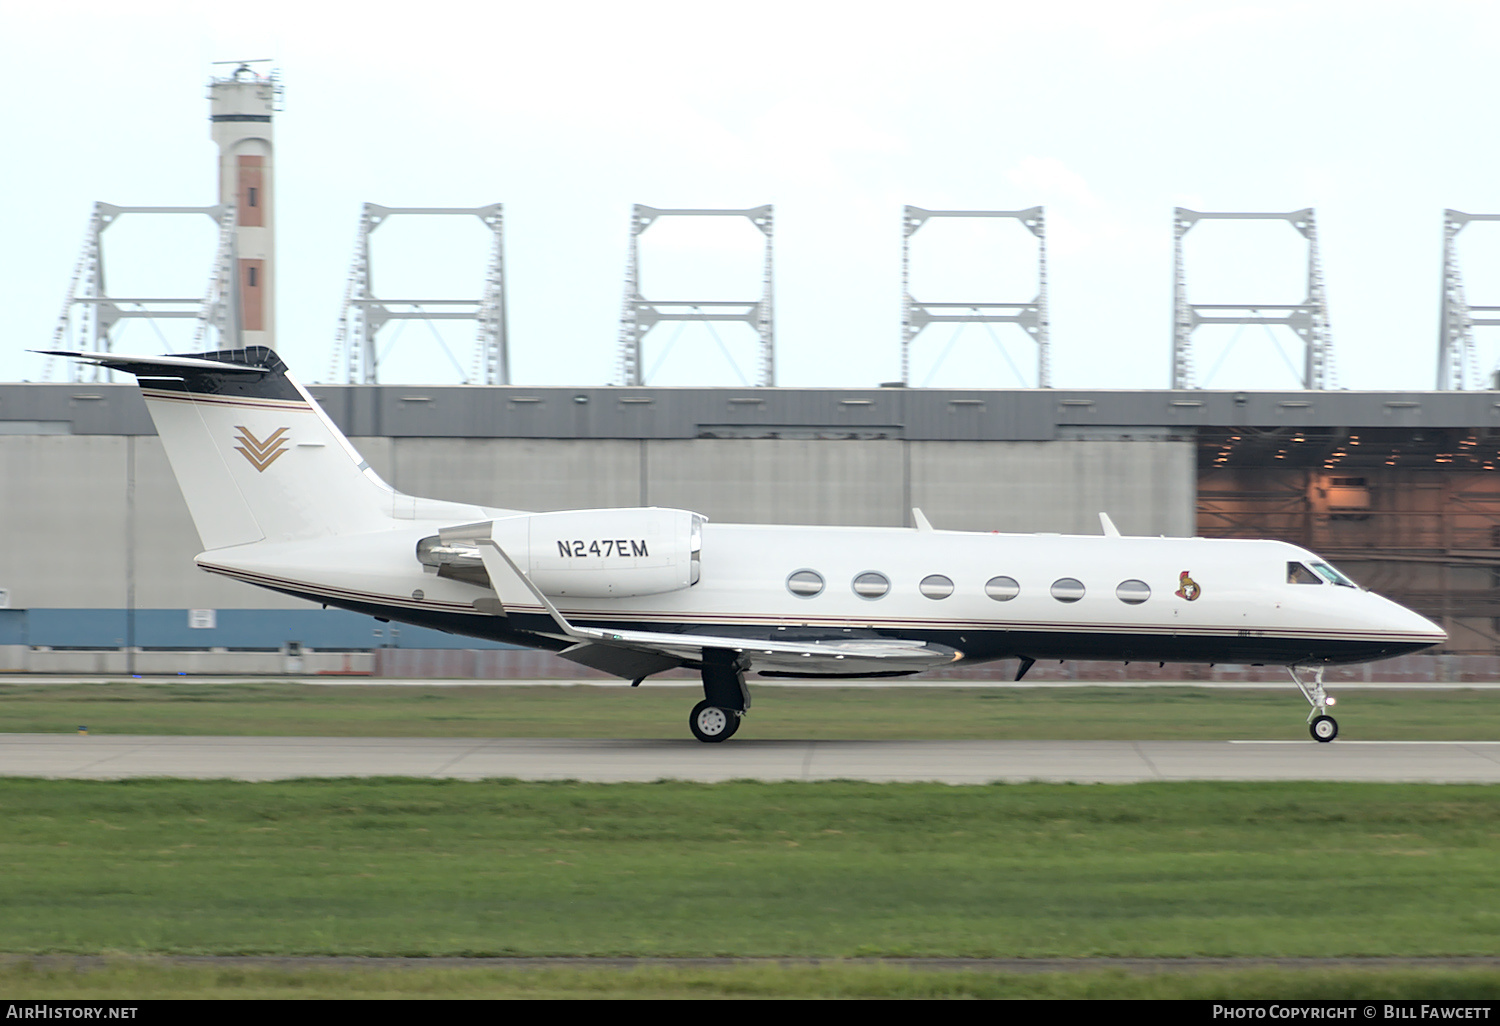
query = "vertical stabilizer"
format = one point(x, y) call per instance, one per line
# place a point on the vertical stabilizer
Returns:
point(255, 456)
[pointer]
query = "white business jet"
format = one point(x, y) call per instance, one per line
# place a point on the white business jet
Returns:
point(282, 500)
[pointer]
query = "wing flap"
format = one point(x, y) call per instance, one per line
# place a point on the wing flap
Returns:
point(629, 663)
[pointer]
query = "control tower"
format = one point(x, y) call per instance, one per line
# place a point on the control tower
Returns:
point(240, 108)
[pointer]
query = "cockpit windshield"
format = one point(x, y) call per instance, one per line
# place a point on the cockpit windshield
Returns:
point(1332, 576)
point(1296, 573)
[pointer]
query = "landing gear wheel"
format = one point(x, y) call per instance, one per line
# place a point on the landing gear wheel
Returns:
point(709, 723)
point(1323, 728)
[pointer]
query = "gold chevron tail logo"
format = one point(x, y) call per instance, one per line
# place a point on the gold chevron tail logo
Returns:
point(261, 454)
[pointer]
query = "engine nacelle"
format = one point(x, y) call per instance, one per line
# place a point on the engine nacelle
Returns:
point(584, 553)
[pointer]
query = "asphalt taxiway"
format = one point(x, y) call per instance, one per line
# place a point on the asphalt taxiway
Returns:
point(107, 757)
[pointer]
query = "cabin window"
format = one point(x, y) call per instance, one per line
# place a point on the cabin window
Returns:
point(871, 585)
point(1002, 589)
point(1133, 593)
point(1332, 576)
point(805, 583)
point(1296, 573)
point(1067, 589)
point(936, 586)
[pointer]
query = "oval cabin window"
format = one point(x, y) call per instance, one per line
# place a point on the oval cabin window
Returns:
point(1002, 589)
point(805, 583)
point(871, 585)
point(1133, 593)
point(1067, 589)
point(936, 586)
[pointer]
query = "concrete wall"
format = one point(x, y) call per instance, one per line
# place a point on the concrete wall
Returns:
point(84, 519)
point(1146, 486)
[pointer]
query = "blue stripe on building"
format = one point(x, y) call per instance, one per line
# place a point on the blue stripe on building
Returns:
point(267, 629)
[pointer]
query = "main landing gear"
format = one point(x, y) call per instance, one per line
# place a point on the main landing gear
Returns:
point(1320, 725)
point(726, 697)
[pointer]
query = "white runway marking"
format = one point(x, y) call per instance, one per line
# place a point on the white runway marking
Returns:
point(1370, 742)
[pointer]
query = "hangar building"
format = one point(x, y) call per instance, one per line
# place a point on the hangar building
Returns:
point(1399, 488)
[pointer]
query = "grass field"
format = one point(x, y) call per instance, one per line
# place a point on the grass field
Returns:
point(1142, 714)
point(402, 867)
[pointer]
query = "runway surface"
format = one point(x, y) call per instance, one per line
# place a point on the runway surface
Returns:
point(693, 684)
point(108, 757)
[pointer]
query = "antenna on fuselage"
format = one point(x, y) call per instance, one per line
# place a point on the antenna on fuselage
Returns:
point(1110, 530)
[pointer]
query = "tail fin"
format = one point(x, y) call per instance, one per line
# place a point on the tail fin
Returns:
point(255, 456)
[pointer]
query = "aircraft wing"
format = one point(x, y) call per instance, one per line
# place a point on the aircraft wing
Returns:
point(855, 657)
point(634, 654)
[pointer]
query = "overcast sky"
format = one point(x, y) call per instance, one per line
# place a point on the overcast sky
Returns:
point(1378, 114)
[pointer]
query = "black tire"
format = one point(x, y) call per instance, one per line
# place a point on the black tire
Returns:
point(711, 724)
point(1323, 728)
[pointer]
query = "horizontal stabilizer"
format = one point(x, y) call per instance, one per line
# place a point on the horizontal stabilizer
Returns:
point(167, 366)
point(254, 373)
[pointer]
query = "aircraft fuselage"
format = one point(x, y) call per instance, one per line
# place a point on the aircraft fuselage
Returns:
point(986, 596)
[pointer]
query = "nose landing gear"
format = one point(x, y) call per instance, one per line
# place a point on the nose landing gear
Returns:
point(1320, 725)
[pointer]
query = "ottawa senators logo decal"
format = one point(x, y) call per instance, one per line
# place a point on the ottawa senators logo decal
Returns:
point(1187, 587)
point(260, 454)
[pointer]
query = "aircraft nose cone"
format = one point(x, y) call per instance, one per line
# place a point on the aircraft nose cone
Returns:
point(1416, 625)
